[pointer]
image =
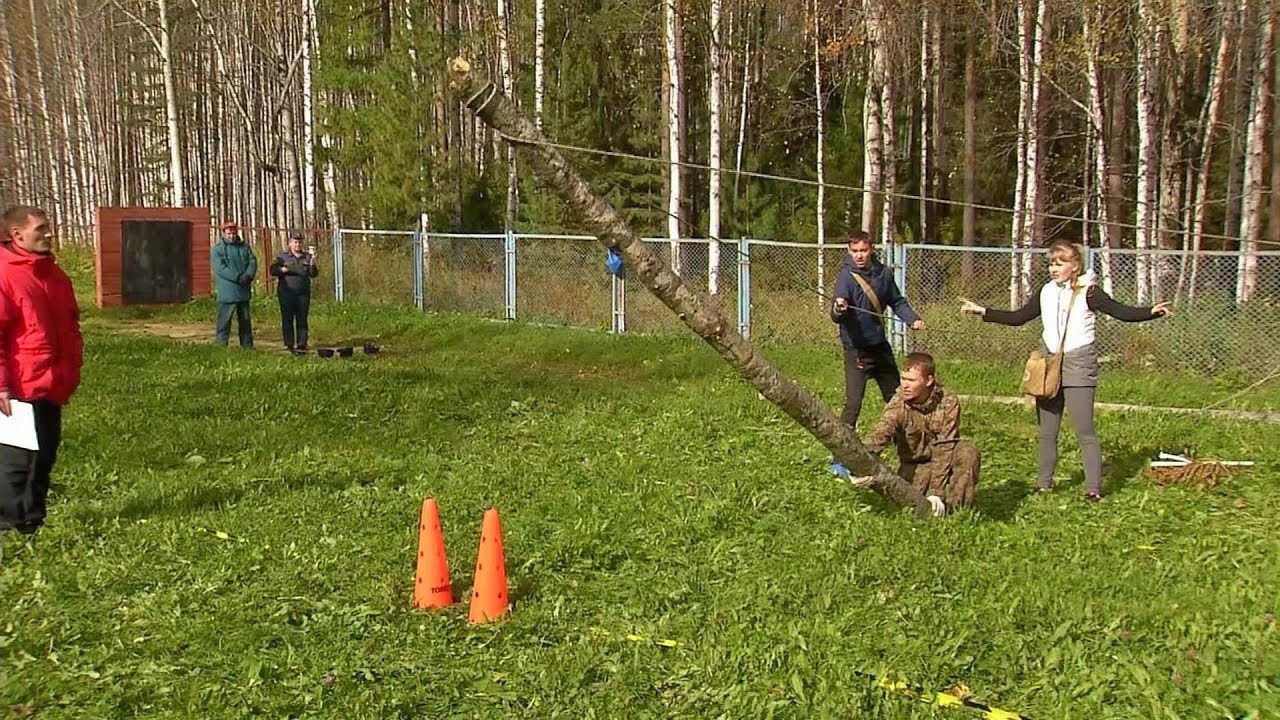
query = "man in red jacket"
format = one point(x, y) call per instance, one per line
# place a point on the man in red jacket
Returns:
point(40, 356)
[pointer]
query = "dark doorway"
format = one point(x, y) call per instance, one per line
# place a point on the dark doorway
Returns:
point(156, 261)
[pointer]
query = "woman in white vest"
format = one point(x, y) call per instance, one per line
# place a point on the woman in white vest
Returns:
point(1068, 304)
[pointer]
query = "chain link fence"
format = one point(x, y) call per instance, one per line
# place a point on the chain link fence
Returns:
point(780, 292)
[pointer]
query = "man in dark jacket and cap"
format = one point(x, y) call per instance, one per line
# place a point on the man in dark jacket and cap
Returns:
point(294, 269)
point(234, 268)
point(864, 289)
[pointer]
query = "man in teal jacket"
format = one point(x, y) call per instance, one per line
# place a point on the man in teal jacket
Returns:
point(234, 268)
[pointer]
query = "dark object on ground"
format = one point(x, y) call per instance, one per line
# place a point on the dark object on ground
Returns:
point(346, 351)
point(371, 348)
point(324, 352)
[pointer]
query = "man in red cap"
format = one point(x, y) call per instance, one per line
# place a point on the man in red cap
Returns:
point(40, 357)
point(234, 268)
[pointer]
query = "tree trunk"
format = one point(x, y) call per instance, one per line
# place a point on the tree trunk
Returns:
point(694, 309)
point(1245, 54)
point(308, 117)
point(927, 111)
point(1148, 144)
point(1101, 160)
point(889, 176)
point(508, 88)
point(675, 149)
point(1022, 186)
point(743, 104)
point(872, 124)
point(1274, 197)
point(179, 193)
point(970, 221)
point(539, 58)
point(822, 125)
point(1213, 115)
point(1258, 135)
point(713, 201)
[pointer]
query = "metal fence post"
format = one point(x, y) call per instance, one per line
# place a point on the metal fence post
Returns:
point(510, 255)
point(417, 265)
point(619, 303)
point(337, 264)
point(900, 277)
point(744, 287)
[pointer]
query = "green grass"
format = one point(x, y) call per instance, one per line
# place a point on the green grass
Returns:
point(643, 489)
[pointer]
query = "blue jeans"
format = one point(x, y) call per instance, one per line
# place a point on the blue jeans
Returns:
point(223, 327)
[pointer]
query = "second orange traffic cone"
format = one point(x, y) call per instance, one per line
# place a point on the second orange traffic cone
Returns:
point(431, 586)
point(489, 595)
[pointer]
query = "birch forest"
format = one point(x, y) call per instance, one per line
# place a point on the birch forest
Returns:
point(1130, 124)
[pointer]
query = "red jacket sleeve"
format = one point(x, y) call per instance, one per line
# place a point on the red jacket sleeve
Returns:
point(6, 322)
point(70, 342)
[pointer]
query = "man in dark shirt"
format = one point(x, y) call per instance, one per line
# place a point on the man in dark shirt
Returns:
point(294, 270)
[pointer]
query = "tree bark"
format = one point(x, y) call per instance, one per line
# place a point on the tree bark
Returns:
point(822, 125)
point(694, 309)
point(1213, 114)
point(1148, 205)
point(674, 122)
point(872, 123)
point(713, 200)
point(1258, 133)
point(970, 220)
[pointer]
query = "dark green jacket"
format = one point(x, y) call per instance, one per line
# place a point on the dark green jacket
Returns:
point(234, 268)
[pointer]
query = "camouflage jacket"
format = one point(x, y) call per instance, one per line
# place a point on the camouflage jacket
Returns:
point(916, 428)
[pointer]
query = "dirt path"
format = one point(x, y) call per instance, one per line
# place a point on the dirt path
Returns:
point(270, 342)
point(188, 332)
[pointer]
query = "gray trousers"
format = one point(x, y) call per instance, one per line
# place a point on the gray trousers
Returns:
point(1078, 401)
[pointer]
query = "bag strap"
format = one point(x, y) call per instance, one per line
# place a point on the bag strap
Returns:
point(1062, 332)
point(871, 294)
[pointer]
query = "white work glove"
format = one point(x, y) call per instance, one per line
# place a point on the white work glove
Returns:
point(939, 509)
point(862, 482)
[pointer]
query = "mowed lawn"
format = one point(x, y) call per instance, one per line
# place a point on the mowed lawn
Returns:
point(644, 491)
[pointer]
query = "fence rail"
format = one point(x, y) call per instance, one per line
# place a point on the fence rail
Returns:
point(779, 291)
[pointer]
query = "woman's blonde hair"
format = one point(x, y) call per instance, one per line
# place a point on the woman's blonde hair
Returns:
point(1069, 251)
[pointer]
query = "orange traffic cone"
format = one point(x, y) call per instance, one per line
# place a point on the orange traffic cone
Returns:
point(431, 586)
point(489, 596)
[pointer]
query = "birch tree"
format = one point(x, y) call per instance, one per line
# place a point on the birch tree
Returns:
point(508, 85)
point(872, 124)
point(713, 201)
point(822, 183)
point(1258, 135)
point(1148, 204)
point(1213, 116)
point(692, 308)
point(674, 122)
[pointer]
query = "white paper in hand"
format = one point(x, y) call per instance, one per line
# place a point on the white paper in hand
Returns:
point(18, 428)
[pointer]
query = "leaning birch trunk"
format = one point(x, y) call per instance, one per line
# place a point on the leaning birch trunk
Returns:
point(822, 182)
point(694, 309)
point(713, 201)
point(1257, 136)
